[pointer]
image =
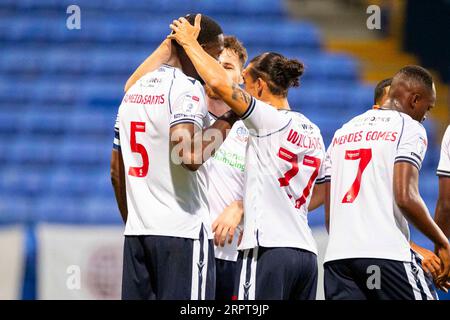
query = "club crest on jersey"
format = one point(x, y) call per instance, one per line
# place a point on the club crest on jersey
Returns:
point(421, 147)
point(190, 104)
point(242, 134)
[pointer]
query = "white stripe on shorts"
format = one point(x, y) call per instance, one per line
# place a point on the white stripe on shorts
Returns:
point(195, 259)
point(412, 281)
point(205, 266)
point(242, 276)
point(421, 276)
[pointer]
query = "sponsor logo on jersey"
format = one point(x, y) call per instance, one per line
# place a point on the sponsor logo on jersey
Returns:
point(144, 99)
point(150, 83)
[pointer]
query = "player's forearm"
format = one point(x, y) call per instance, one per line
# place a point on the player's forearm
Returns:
point(159, 56)
point(317, 198)
point(442, 213)
point(442, 216)
point(415, 211)
point(118, 183)
point(192, 147)
point(327, 205)
point(121, 199)
point(211, 139)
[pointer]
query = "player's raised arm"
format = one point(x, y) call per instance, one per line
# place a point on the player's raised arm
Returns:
point(207, 67)
point(408, 199)
point(161, 55)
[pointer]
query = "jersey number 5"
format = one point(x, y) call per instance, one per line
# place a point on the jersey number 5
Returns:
point(139, 172)
point(308, 161)
point(364, 156)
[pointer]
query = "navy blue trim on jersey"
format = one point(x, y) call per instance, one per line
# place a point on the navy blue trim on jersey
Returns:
point(327, 179)
point(321, 180)
point(401, 132)
point(170, 90)
point(213, 115)
point(201, 264)
point(443, 173)
point(249, 110)
point(192, 121)
point(269, 134)
point(248, 274)
point(116, 136)
point(409, 160)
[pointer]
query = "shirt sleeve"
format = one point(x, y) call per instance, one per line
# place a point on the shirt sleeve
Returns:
point(116, 142)
point(321, 178)
point(326, 167)
point(412, 145)
point(263, 120)
point(189, 106)
point(444, 162)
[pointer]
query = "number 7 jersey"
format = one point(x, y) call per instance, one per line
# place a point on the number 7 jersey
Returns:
point(365, 221)
point(163, 198)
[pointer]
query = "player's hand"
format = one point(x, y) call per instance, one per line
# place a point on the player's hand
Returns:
point(430, 262)
point(183, 32)
point(226, 223)
point(444, 254)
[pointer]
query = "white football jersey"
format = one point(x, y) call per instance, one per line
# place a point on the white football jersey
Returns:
point(284, 157)
point(163, 198)
point(225, 171)
point(444, 163)
point(365, 221)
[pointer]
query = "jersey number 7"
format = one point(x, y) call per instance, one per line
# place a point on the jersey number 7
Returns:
point(308, 161)
point(139, 172)
point(364, 156)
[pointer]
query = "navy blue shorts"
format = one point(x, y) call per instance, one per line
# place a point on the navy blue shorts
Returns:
point(225, 277)
point(377, 279)
point(168, 268)
point(276, 274)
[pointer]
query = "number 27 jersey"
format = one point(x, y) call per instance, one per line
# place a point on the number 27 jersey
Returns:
point(365, 221)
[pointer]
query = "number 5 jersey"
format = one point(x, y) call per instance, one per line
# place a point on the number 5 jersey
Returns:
point(163, 197)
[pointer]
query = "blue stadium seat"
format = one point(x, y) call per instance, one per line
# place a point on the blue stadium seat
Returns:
point(101, 210)
point(14, 209)
point(33, 151)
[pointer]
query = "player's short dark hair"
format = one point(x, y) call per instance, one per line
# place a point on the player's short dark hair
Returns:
point(209, 28)
point(279, 72)
point(416, 74)
point(233, 44)
point(379, 89)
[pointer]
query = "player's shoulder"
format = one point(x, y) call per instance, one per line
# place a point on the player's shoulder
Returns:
point(302, 121)
point(412, 125)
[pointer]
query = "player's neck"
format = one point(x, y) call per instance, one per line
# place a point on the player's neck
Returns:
point(174, 59)
point(278, 103)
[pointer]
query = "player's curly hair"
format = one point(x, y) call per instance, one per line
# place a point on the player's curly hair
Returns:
point(279, 72)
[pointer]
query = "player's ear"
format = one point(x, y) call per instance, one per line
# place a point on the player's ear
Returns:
point(260, 86)
point(415, 99)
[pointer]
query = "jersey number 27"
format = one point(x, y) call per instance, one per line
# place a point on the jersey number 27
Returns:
point(308, 161)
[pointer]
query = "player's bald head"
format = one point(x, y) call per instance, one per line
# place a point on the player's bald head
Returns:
point(414, 78)
point(413, 88)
